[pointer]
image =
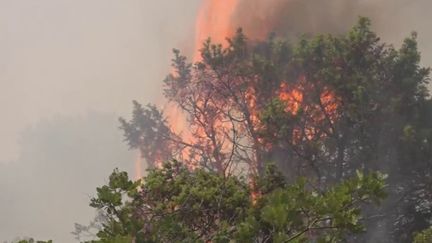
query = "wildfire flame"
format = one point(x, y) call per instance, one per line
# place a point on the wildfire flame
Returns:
point(316, 113)
point(214, 21)
point(292, 96)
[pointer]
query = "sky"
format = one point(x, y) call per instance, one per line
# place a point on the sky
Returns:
point(70, 56)
point(70, 68)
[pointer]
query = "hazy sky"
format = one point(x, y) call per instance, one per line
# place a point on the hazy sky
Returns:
point(69, 68)
point(71, 56)
point(62, 161)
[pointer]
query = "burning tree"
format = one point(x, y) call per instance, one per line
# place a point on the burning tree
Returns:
point(322, 108)
point(218, 99)
point(223, 100)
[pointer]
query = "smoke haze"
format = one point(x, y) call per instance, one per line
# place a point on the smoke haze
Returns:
point(62, 161)
point(69, 68)
point(70, 56)
point(392, 19)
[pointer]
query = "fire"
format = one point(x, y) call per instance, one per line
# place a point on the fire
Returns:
point(330, 102)
point(214, 21)
point(315, 113)
point(208, 128)
point(292, 96)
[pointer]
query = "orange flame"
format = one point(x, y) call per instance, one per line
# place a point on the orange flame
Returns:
point(316, 114)
point(214, 21)
point(293, 97)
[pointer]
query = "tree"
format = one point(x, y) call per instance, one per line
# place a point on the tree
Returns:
point(321, 108)
point(175, 204)
point(31, 240)
point(423, 237)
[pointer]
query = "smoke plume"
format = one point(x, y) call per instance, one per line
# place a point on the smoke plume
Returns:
point(392, 19)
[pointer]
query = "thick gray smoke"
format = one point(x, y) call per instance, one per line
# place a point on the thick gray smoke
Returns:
point(392, 19)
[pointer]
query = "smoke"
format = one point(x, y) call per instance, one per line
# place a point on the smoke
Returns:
point(294, 17)
point(71, 56)
point(60, 60)
point(61, 163)
point(392, 19)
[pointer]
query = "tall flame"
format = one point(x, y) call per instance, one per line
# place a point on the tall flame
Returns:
point(214, 21)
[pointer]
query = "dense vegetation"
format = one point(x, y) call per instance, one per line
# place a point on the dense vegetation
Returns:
point(175, 204)
point(320, 109)
point(423, 237)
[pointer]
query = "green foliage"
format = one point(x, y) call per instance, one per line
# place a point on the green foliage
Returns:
point(113, 199)
point(296, 213)
point(423, 237)
point(148, 122)
point(31, 240)
point(175, 204)
point(381, 121)
point(364, 106)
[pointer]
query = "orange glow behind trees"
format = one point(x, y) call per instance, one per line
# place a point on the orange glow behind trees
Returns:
point(204, 127)
point(213, 118)
point(321, 108)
